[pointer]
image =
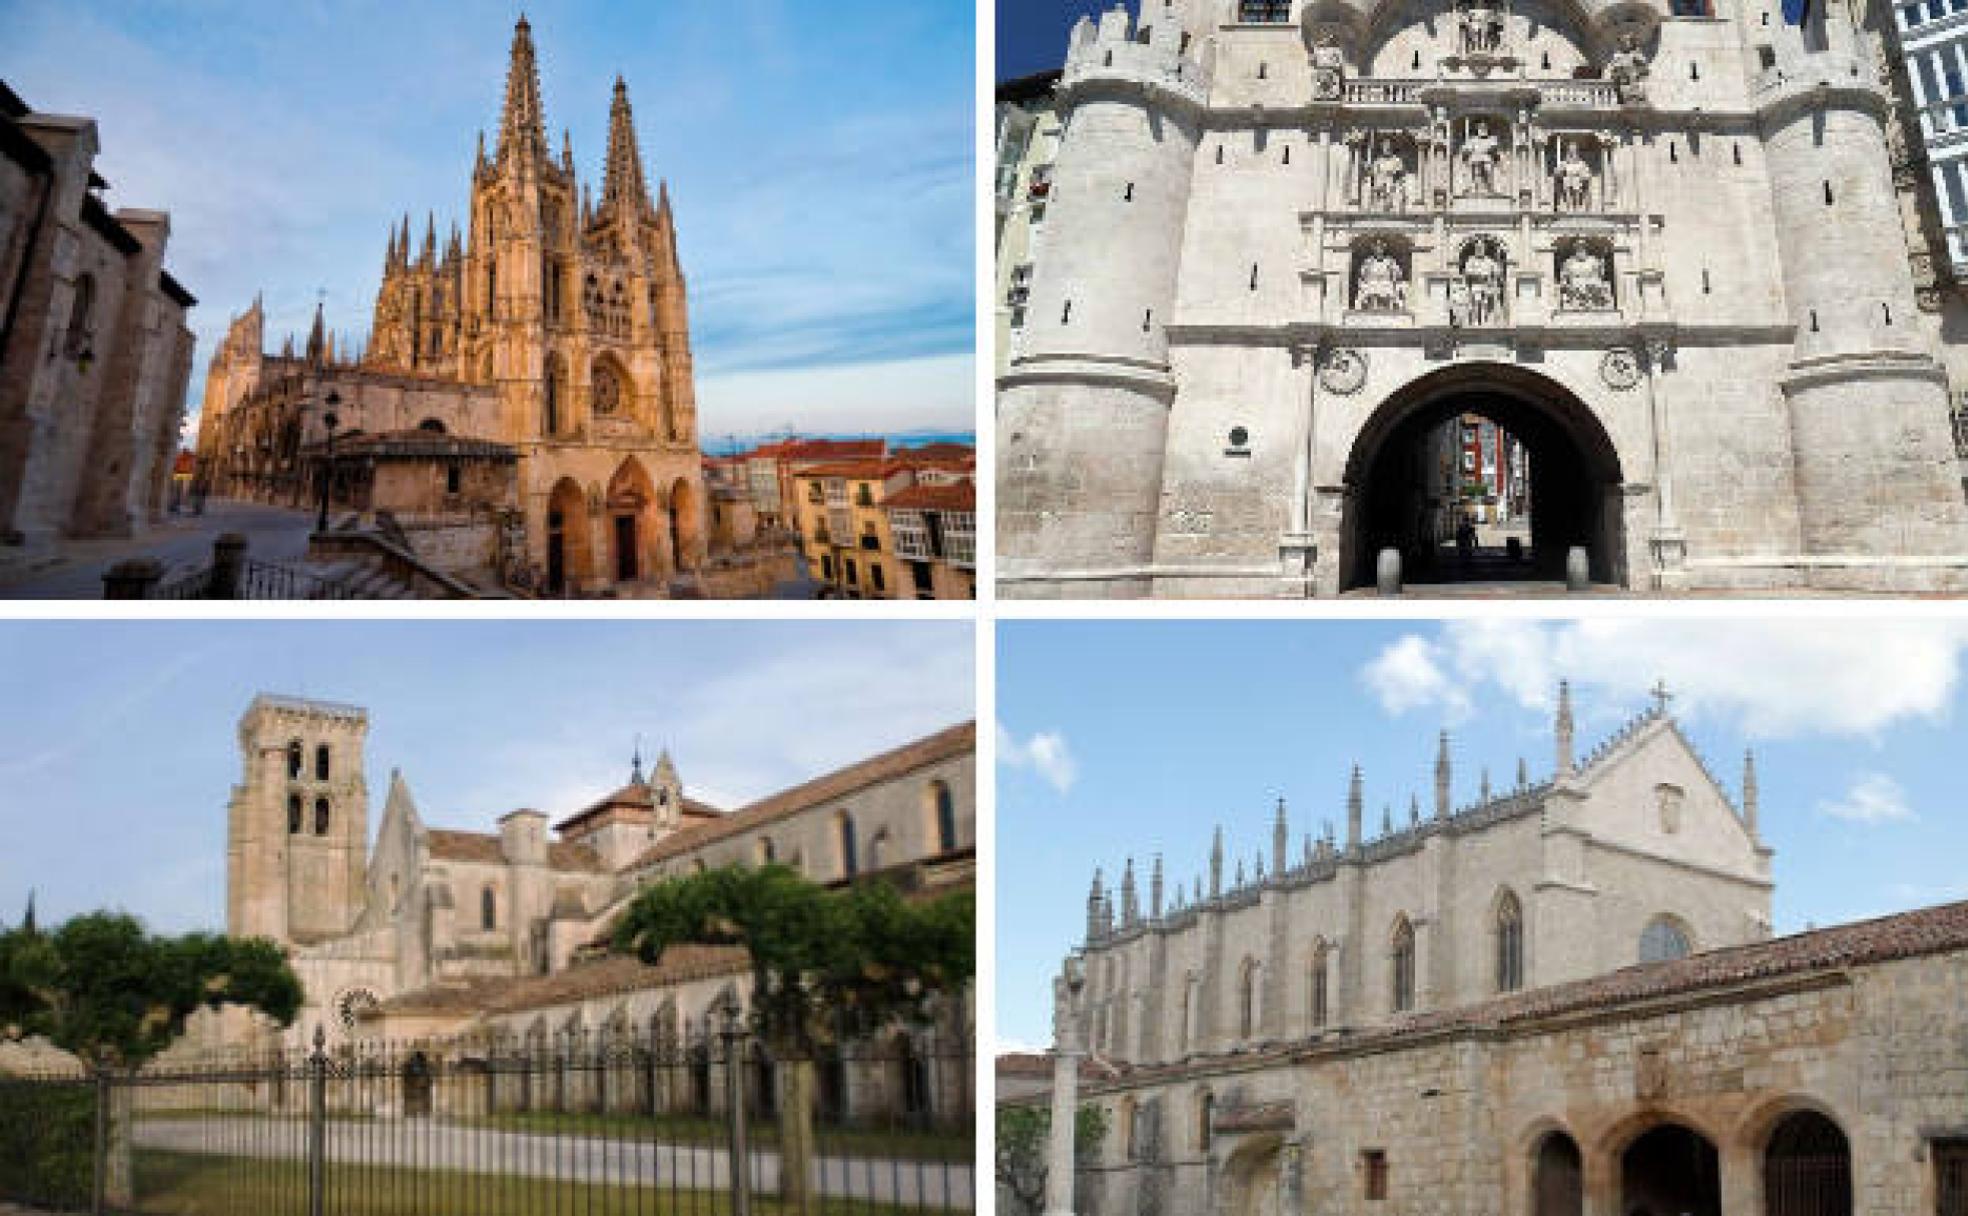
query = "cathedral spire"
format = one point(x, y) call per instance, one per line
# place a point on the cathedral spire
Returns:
point(1280, 841)
point(430, 239)
point(1216, 864)
point(1155, 889)
point(522, 127)
point(1353, 810)
point(1750, 795)
point(623, 185)
point(317, 338)
point(1442, 773)
point(1130, 904)
point(1564, 729)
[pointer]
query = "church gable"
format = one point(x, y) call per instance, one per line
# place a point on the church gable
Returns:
point(1649, 791)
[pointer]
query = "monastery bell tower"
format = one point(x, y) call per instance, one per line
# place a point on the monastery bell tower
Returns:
point(298, 823)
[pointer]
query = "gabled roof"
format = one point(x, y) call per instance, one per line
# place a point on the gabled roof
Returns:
point(919, 497)
point(637, 796)
point(583, 981)
point(952, 741)
point(485, 849)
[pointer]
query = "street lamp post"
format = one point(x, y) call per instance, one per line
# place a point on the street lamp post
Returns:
point(328, 463)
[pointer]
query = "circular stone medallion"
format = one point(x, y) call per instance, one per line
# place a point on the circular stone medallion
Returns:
point(1344, 371)
point(1620, 369)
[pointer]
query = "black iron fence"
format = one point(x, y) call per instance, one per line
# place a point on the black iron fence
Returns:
point(595, 1124)
point(231, 576)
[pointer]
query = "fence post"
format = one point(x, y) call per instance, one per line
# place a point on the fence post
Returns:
point(317, 1129)
point(99, 1194)
point(228, 566)
point(133, 579)
point(734, 1090)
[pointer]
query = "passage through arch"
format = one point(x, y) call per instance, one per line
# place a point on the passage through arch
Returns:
point(1807, 1168)
point(1454, 467)
point(1671, 1169)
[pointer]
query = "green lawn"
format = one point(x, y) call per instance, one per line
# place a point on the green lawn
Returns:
point(686, 1130)
point(178, 1184)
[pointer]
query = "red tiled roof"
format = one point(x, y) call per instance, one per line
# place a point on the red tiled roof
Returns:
point(639, 796)
point(485, 849)
point(959, 497)
point(869, 470)
point(952, 741)
point(937, 451)
point(603, 977)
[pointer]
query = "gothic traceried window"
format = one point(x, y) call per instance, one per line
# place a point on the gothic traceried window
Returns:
point(293, 814)
point(1509, 945)
point(1247, 1000)
point(294, 760)
point(321, 762)
point(1320, 995)
point(607, 389)
point(488, 910)
point(1662, 941)
point(1403, 960)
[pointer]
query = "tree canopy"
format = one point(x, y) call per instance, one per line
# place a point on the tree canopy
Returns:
point(1022, 1135)
point(822, 958)
point(103, 987)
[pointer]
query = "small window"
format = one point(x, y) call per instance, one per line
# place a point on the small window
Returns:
point(320, 816)
point(766, 852)
point(321, 762)
point(850, 861)
point(293, 814)
point(1663, 941)
point(453, 479)
point(946, 817)
point(294, 760)
point(1509, 945)
point(1373, 1172)
point(1239, 437)
point(1318, 998)
point(1827, 194)
point(1205, 1117)
point(488, 910)
point(1266, 12)
point(1247, 1000)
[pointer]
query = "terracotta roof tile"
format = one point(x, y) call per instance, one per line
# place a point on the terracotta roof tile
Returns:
point(636, 794)
point(480, 847)
point(961, 497)
point(866, 470)
point(951, 741)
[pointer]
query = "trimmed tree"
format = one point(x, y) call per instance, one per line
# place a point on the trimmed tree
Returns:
point(1022, 1134)
point(822, 959)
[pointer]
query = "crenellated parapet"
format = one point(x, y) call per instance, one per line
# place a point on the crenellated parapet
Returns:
point(1109, 54)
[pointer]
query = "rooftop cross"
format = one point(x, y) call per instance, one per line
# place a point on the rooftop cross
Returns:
point(1661, 696)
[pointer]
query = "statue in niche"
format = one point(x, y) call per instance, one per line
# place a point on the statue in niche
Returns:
point(1381, 285)
point(1482, 156)
point(1481, 25)
point(1387, 178)
point(1328, 67)
point(1627, 66)
point(1573, 179)
point(1483, 280)
point(1582, 282)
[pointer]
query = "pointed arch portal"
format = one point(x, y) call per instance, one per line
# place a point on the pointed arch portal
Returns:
point(1408, 483)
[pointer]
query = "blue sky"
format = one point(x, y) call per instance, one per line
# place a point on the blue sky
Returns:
point(1135, 736)
point(819, 160)
point(122, 753)
point(1032, 33)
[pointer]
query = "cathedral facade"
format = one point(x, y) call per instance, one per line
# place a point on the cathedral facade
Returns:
point(1660, 243)
point(1561, 998)
point(435, 934)
point(556, 325)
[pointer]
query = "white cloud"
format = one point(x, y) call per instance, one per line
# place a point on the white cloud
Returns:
point(1776, 679)
point(908, 394)
point(1045, 753)
point(1873, 798)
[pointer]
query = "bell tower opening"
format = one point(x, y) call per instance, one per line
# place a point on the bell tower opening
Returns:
point(1482, 474)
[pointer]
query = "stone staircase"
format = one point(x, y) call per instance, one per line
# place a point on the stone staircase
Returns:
point(363, 580)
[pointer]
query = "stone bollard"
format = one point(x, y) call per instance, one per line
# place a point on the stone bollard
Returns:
point(1387, 571)
point(1578, 569)
point(133, 579)
point(228, 566)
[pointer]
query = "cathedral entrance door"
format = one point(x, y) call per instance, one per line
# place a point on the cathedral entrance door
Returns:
point(1482, 473)
point(1671, 1171)
point(626, 566)
point(556, 561)
point(1251, 1175)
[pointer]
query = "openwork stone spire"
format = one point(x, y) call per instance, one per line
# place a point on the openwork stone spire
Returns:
point(623, 186)
point(522, 129)
point(1563, 731)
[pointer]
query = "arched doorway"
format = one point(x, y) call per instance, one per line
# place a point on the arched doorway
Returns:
point(1558, 1177)
point(1510, 449)
point(685, 542)
point(1670, 1171)
point(417, 1086)
point(1807, 1168)
point(1251, 1178)
point(631, 504)
point(570, 555)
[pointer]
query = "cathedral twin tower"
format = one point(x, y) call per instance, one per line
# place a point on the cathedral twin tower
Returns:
point(582, 303)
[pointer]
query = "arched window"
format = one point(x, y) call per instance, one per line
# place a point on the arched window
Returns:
point(1126, 1121)
point(321, 762)
point(1662, 941)
point(488, 910)
point(431, 426)
point(293, 814)
point(766, 850)
point(320, 816)
point(80, 309)
point(1247, 999)
point(607, 390)
point(294, 760)
point(1317, 1000)
point(550, 410)
point(850, 863)
point(1403, 961)
point(946, 816)
point(1509, 944)
point(1205, 1116)
point(1188, 1036)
